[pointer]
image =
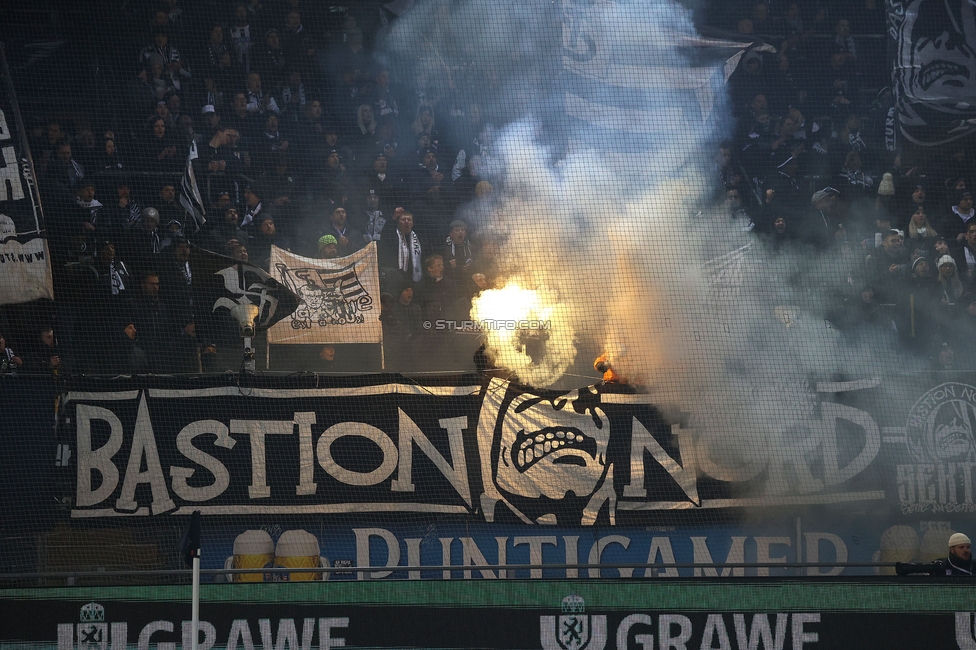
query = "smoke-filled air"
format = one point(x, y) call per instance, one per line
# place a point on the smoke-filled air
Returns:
point(604, 124)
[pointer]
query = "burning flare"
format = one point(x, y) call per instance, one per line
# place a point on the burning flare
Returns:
point(527, 331)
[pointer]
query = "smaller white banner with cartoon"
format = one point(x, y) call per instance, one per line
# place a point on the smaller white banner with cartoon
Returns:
point(339, 298)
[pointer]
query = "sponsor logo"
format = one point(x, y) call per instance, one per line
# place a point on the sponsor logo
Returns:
point(573, 629)
point(93, 633)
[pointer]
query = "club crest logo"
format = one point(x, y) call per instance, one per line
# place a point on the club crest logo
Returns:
point(92, 613)
point(92, 630)
point(573, 629)
point(941, 424)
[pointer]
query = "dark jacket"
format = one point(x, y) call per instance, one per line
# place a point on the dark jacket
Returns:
point(951, 566)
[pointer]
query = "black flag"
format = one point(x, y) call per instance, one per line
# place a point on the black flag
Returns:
point(223, 283)
point(189, 545)
point(190, 197)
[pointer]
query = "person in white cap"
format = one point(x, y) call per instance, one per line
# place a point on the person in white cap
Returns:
point(960, 560)
point(959, 563)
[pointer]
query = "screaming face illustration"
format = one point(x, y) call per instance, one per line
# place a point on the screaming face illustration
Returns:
point(951, 441)
point(551, 447)
point(941, 425)
point(936, 67)
point(938, 37)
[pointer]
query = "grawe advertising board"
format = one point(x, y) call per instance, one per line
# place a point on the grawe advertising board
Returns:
point(588, 616)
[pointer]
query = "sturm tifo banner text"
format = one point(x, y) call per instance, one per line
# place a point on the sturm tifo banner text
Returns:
point(25, 268)
point(339, 298)
point(313, 618)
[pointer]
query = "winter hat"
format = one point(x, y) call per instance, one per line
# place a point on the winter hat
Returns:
point(887, 186)
point(325, 240)
point(946, 259)
point(820, 195)
point(958, 538)
point(918, 260)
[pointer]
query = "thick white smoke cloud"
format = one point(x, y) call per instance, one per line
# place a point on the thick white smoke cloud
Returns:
point(715, 327)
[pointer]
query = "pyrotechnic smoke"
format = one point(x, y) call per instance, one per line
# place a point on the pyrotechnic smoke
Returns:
point(602, 208)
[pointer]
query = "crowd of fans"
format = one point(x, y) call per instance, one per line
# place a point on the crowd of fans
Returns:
point(812, 169)
point(304, 141)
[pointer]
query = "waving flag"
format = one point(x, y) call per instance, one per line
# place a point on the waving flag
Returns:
point(190, 197)
point(223, 283)
point(629, 77)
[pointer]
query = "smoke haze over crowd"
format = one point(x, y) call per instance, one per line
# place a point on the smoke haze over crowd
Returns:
point(604, 207)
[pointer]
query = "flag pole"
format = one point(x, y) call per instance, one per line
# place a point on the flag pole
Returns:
point(189, 548)
point(195, 602)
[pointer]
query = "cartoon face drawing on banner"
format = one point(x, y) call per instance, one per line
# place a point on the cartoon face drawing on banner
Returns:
point(329, 297)
point(937, 65)
point(552, 447)
point(940, 425)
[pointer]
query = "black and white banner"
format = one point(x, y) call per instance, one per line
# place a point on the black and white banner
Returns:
point(933, 46)
point(489, 452)
point(339, 298)
point(25, 267)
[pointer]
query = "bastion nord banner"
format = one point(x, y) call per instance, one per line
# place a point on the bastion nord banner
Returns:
point(401, 474)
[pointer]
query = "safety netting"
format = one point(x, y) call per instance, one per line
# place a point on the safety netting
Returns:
point(468, 283)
